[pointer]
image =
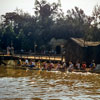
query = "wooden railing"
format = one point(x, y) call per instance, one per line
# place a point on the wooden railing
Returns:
point(37, 56)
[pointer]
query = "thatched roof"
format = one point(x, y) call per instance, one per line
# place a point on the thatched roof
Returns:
point(81, 42)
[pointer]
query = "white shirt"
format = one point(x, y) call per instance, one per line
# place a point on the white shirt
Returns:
point(26, 61)
point(33, 63)
point(71, 66)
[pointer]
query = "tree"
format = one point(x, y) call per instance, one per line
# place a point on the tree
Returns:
point(8, 36)
point(96, 15)
point(19, 20)
point(81, 23)
point(44, 9)
point(48, 22)
point(95, 26)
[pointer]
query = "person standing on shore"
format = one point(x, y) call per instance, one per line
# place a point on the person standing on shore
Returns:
point(12, 50)
point(8, 50)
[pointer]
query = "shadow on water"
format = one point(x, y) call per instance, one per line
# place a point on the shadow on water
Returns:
point(20, 84)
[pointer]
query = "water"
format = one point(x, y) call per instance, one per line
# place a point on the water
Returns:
point(20, 84)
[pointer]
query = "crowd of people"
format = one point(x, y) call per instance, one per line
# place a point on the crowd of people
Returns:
point(56, 66)
point(81, 66)
point(26, 63)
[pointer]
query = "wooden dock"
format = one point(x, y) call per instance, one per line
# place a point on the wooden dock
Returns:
point(34, 57)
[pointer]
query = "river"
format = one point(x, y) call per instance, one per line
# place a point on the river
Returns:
point(21, 84)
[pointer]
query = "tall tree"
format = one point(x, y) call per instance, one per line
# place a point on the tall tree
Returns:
point(80, 22)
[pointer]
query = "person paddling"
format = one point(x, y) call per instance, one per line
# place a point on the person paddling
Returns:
point(92, 65)
point(83, 65)
point(32, 64)
point(71, 66)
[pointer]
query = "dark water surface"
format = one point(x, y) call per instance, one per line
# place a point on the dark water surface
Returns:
point(20, 84)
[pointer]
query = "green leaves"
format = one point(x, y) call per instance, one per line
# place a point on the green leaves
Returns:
point(48, 22)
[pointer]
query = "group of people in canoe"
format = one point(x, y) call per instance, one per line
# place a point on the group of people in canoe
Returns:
point(81, 66)
point(70, 66)
point(26, 63)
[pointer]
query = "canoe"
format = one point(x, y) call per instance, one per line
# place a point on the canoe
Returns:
point(60, 69)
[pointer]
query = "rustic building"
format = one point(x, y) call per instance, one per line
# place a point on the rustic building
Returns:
point(78, 49)
point(57, 45)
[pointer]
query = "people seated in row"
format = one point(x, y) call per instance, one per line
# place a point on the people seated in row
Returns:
point(80, 66)
point(77, 66)
point(27, 63)
point(49, 66)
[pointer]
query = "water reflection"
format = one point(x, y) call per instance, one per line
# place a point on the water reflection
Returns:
point(20, 84)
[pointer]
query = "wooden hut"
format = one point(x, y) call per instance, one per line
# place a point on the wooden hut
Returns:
point(78, 49)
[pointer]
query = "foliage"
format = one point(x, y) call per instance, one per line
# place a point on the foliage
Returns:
point(26, 31)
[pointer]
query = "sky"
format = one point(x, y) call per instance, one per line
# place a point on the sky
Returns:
point(28, 5)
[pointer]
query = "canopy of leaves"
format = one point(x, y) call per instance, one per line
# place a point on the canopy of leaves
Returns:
point(48, 22)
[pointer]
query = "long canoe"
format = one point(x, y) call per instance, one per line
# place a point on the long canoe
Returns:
point(61, 69)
